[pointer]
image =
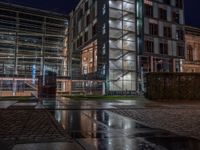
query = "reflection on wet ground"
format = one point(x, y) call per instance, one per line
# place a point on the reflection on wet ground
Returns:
point(93, 127)
point(6, 104)
point(92, 105)
point(66, 104)
point(104, 130)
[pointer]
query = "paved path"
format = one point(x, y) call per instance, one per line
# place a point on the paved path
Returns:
point(48, 146)
point(98, 125)
point(182, 120)
point(29, 126)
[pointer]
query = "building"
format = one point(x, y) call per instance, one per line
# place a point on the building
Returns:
point(163, 36)
point(192, 44)
point(117, 42)
point(31, 41)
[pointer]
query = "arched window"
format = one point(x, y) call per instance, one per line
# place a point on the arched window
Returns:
point(189, 53)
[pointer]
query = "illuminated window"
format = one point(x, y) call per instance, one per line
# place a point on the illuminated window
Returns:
point(104, 49)
point(89, 58)
point(104, 9)
point(104, 28)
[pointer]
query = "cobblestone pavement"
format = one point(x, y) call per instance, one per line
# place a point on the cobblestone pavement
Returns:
point(182, 120)
point(28, 126)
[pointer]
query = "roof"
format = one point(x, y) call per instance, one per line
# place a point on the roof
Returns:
point(31, 10)
point(192, 30)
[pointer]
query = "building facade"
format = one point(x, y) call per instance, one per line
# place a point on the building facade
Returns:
point(163, 36)
point(117, 42)
point(31, 41)
point(192, 44)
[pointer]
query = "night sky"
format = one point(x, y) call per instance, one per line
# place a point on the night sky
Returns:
point(192, 9)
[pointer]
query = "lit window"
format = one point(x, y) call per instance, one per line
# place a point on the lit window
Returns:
point(104, 28)
point(104, 9)
point(104, 49)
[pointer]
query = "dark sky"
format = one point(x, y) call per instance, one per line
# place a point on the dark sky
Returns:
point(192, 9)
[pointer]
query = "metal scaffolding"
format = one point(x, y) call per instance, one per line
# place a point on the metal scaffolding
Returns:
point(31, 41)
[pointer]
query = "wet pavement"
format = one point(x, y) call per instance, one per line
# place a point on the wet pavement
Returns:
point(6, 104)
point(93, 125)
point(48, 146)
point(66, 104)
point(104, 130)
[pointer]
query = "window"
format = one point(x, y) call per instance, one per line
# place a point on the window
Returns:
point(162, 14)
point(93, 13)
point(177, 66)
point(179, 34)
point(104, 49)
point(164, 48)
point(86, 6)
point(176, 17)
point(104, 9)
point(189, 53)
point(80, 14)
point(89, 58)
point(86, 36)
point(94, 29)
point(168, 32)
point(153, 29)
point(77, 43)
point(87, 20)
point(148, 10)
point(179, 3)
point(81, 40)
point(168, 2)
point(180, 50)
point(149, 46)
point(104, 28)
point(146, 64)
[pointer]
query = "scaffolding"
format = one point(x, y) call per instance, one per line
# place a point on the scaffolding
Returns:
point(31, 41)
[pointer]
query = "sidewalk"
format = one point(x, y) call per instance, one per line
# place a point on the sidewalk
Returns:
point(24, 124)
point(181, 118)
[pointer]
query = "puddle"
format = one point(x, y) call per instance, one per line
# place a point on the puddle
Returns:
point(104, 130)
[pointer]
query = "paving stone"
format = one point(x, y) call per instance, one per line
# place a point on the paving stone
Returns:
point(183, 121)
point(48, 146)
point(29, 125)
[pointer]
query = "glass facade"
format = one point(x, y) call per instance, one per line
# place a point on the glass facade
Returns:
point(133, 37)
point(122, 46)
point(31, 41)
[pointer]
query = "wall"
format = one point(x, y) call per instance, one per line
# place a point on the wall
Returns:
point(173, 86)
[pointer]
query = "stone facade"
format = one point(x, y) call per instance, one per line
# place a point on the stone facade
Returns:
point(192, 44)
